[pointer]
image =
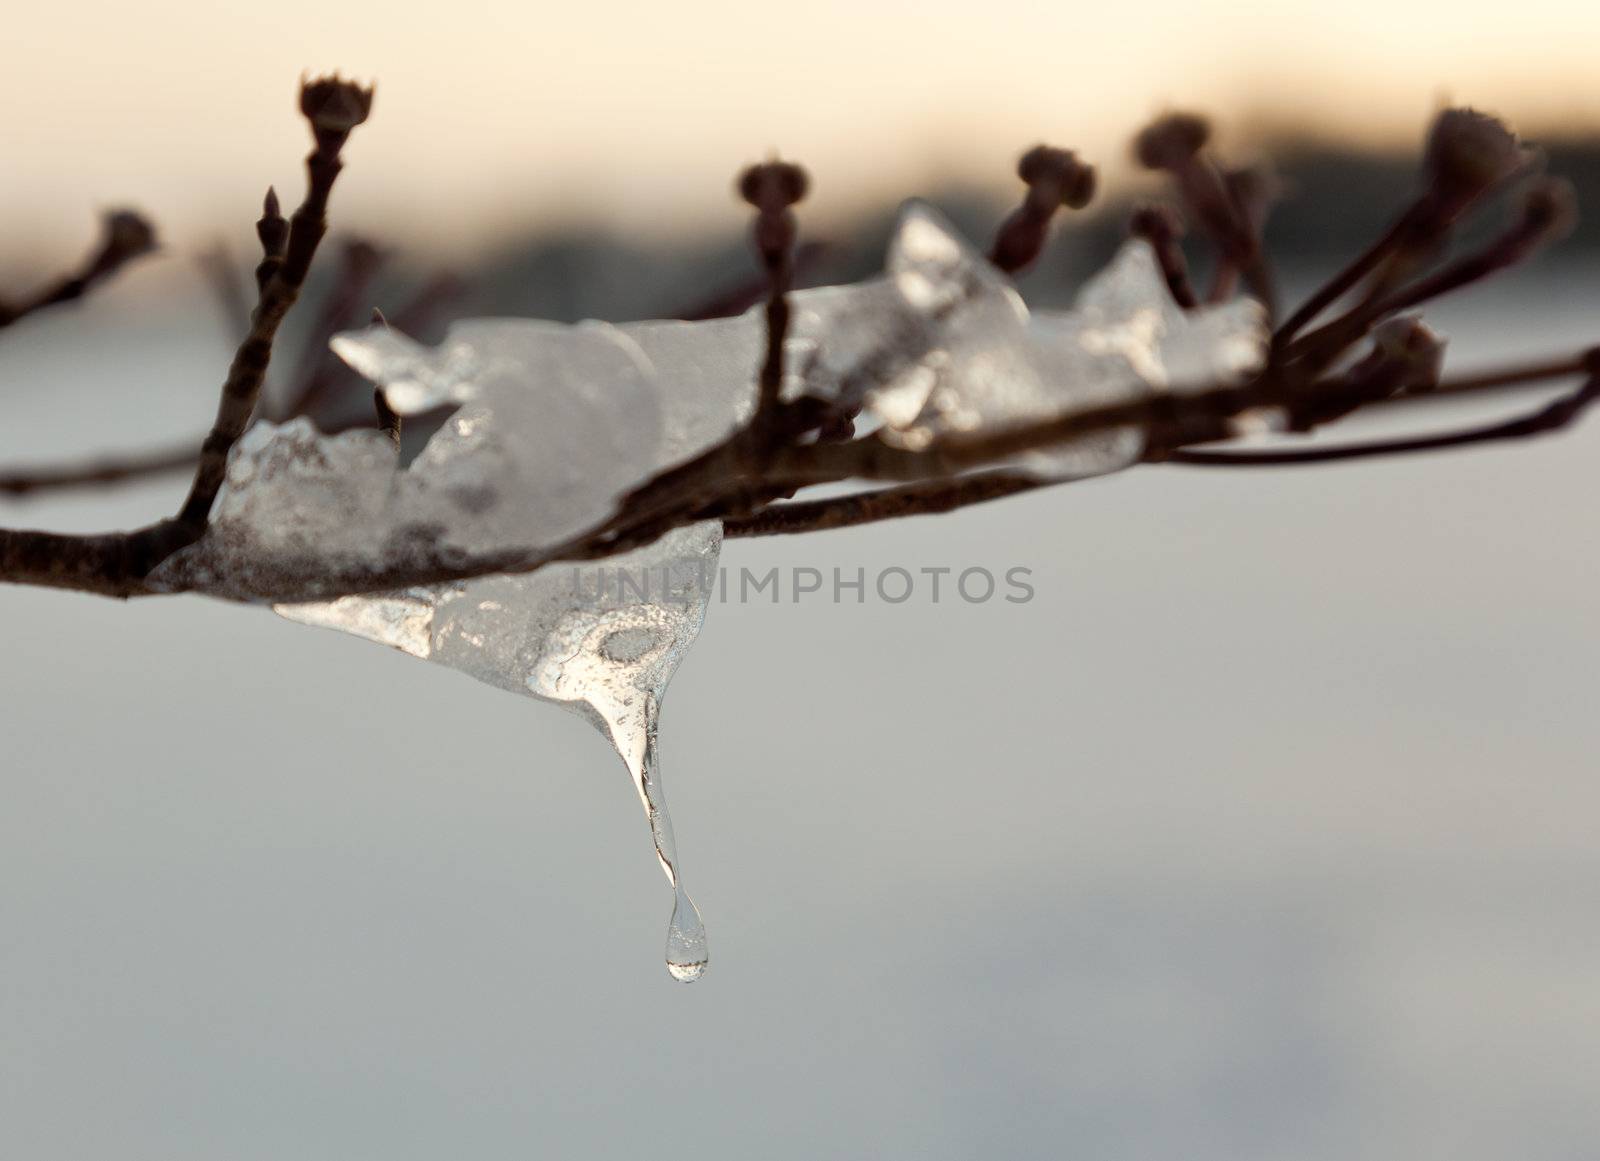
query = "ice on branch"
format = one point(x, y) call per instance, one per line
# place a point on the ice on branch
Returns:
point(996, 364)
point(603, 641)
point(554, 423)
point(549, 426)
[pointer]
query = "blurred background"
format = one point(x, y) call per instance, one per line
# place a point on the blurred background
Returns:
point(1265, 830)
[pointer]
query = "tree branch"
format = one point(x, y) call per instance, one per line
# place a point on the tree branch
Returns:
point(334, 108)
point(747, 480)
point(116, 564)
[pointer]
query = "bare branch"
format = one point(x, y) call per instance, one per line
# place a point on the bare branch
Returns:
point(1160, 226)
point(1175, 143)
point(116, 564)
point(334, 108)
point(126, 235)
point(922, 499)
point(1551, 418)
point(773, 188)
point(101, 472)
point(1548, 212)
point(747, 480)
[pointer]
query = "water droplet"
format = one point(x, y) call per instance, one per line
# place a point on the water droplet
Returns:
point(686, 940)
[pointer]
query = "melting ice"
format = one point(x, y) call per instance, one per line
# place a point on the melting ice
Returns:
point(553, 423)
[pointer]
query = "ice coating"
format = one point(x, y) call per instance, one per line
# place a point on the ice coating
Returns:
point(991, 363)
point(601, 640)
point(604, 640)
point(553, 423)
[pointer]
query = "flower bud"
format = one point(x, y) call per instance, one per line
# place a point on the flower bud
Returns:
point(1468, 153)
point(272, 228)
point(1171, 141)
point(333, 105)
point(1044, 164)
point(774, 185)
point(128, 234)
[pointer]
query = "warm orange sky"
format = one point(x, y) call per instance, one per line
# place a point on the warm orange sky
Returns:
point(493, 113)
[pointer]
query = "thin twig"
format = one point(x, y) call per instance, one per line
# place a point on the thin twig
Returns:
point(921, 499)
point(773, 188)
point(126, 235)
point(1547, 213)
point(334, 108)
point(101, 472)
point(1346, 279)
point(1175, 143)
point(389, 421)
point(116, 564)
point(1160, 226)
point(1551, 418)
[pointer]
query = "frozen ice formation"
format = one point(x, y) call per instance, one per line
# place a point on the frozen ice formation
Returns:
point(603, 641)
point(551, 424)
point(995, 364)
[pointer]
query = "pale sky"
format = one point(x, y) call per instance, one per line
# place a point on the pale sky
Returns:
point(492, 114)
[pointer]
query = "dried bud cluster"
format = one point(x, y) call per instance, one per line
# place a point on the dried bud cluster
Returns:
point(128, 235)
point(1229, 208)
point(1171, 141)
point(1055, 178)
point(334, 107)
point(1058, 175)
point(1468, 153)
point(772, 187)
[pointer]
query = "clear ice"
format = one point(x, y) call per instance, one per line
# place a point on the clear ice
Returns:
point(602, 641)
point(996, 364)
point(551, 424)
